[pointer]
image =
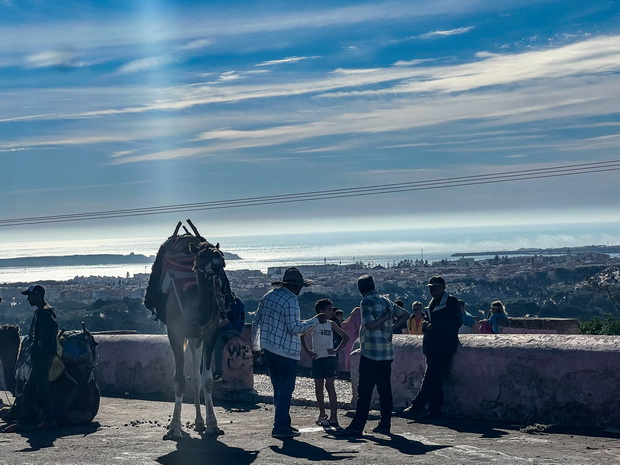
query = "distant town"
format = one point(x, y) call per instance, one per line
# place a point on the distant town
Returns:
point(404, 279)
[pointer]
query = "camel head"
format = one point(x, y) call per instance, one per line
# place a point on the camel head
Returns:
point(209, 258)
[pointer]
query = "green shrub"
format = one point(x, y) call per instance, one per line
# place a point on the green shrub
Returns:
point(609, 326)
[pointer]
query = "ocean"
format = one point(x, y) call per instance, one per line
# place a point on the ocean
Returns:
point(259, 252)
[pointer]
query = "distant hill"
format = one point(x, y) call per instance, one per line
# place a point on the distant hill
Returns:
point(85, 260)
point(549, 251)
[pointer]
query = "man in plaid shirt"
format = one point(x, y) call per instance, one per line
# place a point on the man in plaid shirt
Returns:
point(276, 330)
point(377, 353)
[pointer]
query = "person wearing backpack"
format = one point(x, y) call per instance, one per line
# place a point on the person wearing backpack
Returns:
point(230, 327)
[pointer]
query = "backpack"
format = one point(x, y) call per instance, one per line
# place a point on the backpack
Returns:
point(236, 314)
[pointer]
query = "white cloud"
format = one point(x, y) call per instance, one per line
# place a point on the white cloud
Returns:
point(572, 64)
point(446, 33)
point(496, 107)
point(287, 60)
point(571, 81)
point(410, 62)
point(592, 57)
point(145, 64)
point(229, 76)
point(197, 44)
point(110, 29)
point(64, 58)
point(122, 153)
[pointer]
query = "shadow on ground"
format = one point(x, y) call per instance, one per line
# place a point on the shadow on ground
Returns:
point(191, 451)
point(42, 439)
point(406, 446)
point(485, 429)
point(494, 430)
point(302, 450)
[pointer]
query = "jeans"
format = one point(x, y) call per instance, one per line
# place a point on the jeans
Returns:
point(373, 373)
point(282, 371)
point(36, 394)
point(431, 390)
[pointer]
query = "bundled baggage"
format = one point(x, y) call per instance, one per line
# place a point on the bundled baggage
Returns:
point(72, 377)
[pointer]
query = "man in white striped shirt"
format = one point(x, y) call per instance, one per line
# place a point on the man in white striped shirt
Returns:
point(276, 330)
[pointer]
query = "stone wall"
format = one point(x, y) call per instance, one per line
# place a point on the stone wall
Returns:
point(142, 365)
point(518, 325)
point(522, 378)
point(526, 378)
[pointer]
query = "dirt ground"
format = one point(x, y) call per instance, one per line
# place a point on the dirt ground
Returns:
point(130, 431)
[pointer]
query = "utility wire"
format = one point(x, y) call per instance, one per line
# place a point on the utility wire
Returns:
point(442, 183)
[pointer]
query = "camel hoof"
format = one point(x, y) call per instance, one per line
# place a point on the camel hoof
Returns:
point(173, 436)
point(213, 432)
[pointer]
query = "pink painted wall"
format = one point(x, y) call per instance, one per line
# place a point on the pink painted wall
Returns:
point(142, 365)
point(522, 378)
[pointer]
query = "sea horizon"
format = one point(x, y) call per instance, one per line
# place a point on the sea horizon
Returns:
point(260, 252)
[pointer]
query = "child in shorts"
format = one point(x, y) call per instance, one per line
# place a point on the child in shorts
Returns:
point(324, 361)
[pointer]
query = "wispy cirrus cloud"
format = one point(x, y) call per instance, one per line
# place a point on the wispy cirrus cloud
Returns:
point(60, 58)
point(145, 64)
point(229, 76)
point(598, 58)
point(197, 44)
point(390, 125)
point(287, 60)
point(444, 33)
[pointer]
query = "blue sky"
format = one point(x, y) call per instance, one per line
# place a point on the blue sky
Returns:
point(115, 105)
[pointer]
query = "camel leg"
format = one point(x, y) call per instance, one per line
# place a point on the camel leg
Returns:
point(196, 349)
point(174, 428)
point(207, 388)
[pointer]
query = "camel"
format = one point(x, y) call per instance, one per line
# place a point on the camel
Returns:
point(188, 291)
point(9, 347)
point(74, 390)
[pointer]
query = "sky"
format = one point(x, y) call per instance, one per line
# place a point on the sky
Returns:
point(106, 106)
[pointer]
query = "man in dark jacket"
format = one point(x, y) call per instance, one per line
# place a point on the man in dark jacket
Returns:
point(35, 403)
point(440, 326)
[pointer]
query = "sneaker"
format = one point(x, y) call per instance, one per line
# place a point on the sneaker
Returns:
point(283, 434)
point(382, 430)
point(322, 421)
point(6, 413)
point(349, 433)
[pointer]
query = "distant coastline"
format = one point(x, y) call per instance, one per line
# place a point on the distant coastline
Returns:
point(86, 260)
point(548, 251)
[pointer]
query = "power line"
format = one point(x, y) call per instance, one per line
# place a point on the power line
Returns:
point(360, 191)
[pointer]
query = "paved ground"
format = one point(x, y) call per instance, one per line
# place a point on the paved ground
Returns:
point(129, 431)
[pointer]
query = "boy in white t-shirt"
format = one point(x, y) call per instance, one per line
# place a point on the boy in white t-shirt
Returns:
point(324, 361)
